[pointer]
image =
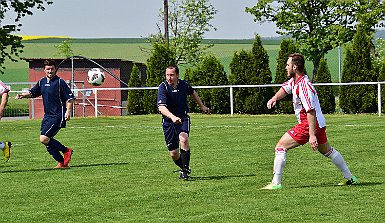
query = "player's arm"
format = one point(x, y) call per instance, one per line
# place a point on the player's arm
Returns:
point(312, 119)
point(69, 106)
point(4, 101)
point(278, 96)
point(24, 95)
point(198, 100)
point(164, 110)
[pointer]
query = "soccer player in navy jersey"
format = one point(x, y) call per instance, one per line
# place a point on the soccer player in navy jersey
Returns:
point(58, 102)
point(172, 103)
point(311, 125)
point(4, 146)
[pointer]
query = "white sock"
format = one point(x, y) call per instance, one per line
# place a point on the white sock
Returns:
point(339, 161)
point(279, 164)
point(2, 145)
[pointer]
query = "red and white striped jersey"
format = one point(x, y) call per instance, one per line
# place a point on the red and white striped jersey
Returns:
point(305, 99)
point(3, 88)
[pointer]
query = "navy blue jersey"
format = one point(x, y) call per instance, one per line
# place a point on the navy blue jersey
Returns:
point(55, 93)
point(175, 99)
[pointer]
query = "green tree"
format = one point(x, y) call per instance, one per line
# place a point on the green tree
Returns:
point(358, 68)
point(240, 68)
point(319, 26)
point(135, 97)
point(188, 21)
point(287, 47)
point(161, 57)
point(210, 73)
point(325, 93)
point(10, 45)
point(64, 49)
point(251, 68)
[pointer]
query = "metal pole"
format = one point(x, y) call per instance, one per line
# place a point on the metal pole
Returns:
point(166, 36)
point(73, 83)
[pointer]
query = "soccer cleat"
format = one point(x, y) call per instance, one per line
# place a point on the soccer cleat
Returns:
point(67, 156)
point(7, 150)
point(184, 174)
point(61, 166)
point(272, 187)
point(346, 182)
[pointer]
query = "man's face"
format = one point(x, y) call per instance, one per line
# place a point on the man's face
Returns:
point(49, 71)
point(289, 68)
point(172, 77)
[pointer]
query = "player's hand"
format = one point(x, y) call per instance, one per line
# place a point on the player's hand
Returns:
point(271, 103)
point(313, 143)
point(176, 120)
point(205, 110)
point(67, 116)
point(19, 96)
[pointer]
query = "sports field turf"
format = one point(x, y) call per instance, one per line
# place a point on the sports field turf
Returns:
point(121, 172)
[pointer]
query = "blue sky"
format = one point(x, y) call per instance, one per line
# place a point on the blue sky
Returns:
point(134, 18)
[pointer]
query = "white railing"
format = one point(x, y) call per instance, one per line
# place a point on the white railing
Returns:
point(231, 89)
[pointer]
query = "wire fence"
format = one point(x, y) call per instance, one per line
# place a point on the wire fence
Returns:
point(109, 101)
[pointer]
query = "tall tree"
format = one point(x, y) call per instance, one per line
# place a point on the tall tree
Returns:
point(10, 45)
point(135, 97)
point(358, 68)
point(287, 47)
point(188, 21)
point(161, 57)
point(319, 26)
point(251, 67)
point(210, 72)
point(325, 93)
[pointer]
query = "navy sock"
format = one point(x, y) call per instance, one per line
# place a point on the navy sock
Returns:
point(185, 155)
point(53, 143)
point(55, 154)
point(178, 162)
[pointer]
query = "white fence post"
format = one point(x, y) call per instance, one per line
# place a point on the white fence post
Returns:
point(96, 101)
point(231, 101)
point(379, 99)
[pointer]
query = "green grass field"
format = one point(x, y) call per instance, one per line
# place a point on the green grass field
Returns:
point(121, 172)
point(137, 50)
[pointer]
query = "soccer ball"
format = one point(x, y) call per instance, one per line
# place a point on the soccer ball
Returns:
point(95, 76)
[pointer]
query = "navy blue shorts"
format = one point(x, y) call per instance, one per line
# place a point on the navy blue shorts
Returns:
point(171, 132)
point(50, 127)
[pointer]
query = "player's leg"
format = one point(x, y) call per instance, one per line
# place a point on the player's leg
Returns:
point(185, 147)
point(338, 160)
point(296, 136)
point(171, 139)
point(48, 130)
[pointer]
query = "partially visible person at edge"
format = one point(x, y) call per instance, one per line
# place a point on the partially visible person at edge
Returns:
point(58, 102)
point(311, 125)
point(172, 103)
point(4, 146)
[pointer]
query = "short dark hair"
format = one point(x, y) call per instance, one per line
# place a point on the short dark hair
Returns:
point(298, 60)
point(173, 66)
point(49, 63)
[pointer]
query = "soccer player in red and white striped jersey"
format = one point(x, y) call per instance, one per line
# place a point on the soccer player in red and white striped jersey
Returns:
point(311, 125)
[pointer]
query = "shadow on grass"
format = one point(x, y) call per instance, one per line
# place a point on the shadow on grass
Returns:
point(359, 184)
point(220, 177)
point(72, 167)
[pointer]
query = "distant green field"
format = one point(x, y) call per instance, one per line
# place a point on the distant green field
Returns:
point(137, 50)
